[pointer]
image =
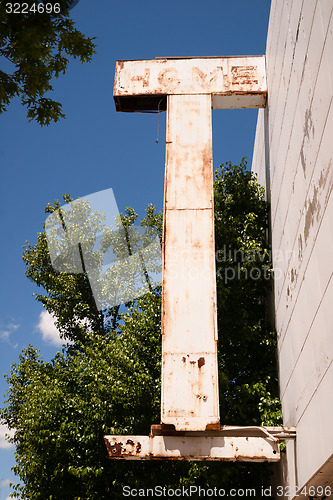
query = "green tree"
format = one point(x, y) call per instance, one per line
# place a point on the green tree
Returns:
point(108, 381)
point(247, 341)
point(38, 46)
point(69, 296)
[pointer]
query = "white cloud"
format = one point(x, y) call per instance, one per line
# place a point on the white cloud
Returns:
point(48, 329)
point(4, 444)
point(6, 332)
point(4, 335)
point(5, 482)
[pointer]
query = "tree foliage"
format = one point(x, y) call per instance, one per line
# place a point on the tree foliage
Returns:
point(38, 47)
point(108, 380)
point(247, 341)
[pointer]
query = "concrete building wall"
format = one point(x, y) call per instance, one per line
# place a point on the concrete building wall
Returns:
point(293, 158)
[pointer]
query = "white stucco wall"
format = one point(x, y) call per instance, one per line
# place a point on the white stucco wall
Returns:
point(293, 157)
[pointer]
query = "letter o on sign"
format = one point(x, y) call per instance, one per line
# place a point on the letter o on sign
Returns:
point(168, 78)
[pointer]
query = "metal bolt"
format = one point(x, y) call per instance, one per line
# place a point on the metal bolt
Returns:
point(204, 398)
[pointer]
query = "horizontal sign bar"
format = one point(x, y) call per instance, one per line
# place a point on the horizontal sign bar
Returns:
point(224, 77)
point(227, 448)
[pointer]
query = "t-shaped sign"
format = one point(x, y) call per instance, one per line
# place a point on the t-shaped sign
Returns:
point(188, 88)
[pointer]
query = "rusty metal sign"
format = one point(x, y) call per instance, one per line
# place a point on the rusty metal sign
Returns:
point(233, 82)
point(188, 88)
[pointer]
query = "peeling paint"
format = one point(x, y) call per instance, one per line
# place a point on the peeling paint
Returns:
point(300, 247)
point(308, 124)
point(308, 134)
point(303, 159)
point(312, 212)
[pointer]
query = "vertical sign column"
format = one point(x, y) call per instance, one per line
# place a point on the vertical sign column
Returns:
point(189, 334)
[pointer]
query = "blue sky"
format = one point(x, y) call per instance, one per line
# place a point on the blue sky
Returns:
point(96, 148)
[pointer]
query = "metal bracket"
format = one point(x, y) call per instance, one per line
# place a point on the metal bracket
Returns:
point(275, 433)
point(230, 443)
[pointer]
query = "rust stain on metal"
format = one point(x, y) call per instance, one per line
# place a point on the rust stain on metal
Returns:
point(168, 78)
point(115, 449)
point(244, 75)
point(108, 446)
point(213, 427)
point(144, 79)
point(201, 362)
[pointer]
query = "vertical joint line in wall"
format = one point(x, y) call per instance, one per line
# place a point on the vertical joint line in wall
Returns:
point(295, 462)
point(271, 302)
